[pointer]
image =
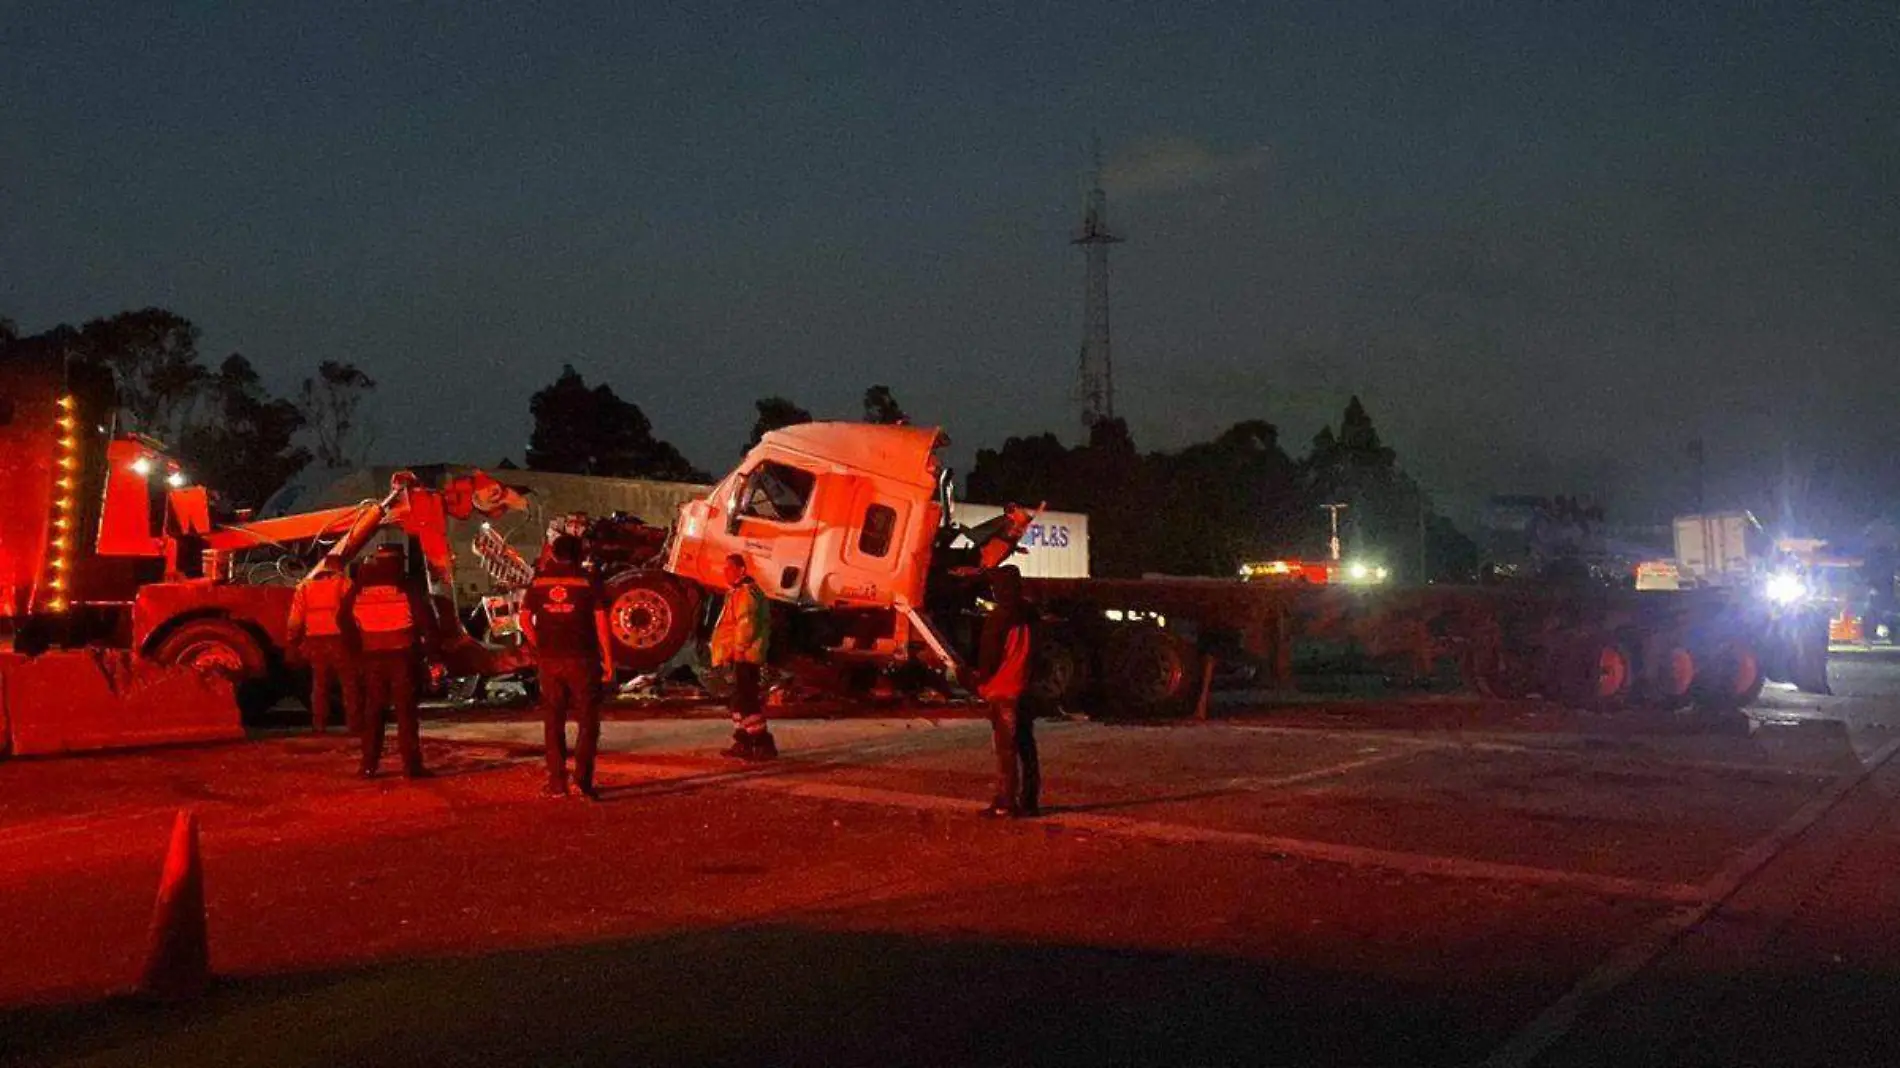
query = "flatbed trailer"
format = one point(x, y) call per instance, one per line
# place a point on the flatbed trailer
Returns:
point(1145, 646)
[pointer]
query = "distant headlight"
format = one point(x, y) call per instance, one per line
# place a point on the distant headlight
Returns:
point(1785, 588)
point(1359, 572)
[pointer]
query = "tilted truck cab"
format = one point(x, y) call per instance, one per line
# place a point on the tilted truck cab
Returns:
point(835, 518)
point(827, 515)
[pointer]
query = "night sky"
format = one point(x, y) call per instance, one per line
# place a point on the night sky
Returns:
point(1548, 243)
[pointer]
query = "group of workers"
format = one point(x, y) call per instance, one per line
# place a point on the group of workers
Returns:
point(363, 636)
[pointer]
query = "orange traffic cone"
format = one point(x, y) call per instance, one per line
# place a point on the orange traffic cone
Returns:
point(179, 962)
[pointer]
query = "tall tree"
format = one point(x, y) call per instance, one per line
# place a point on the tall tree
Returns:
point(880, 406)
point(329, 404)
point(585, 431)
point(153, 356)
point(775, 413)
point(246, 449)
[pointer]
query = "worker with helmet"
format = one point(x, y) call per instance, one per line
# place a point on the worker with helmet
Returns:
point(739, 638)
point(564, 618)
point(388, 617)
point(316, 631)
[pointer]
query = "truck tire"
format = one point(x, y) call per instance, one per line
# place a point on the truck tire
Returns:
point(1148, 672)
point(1591, 672)
point(1728, 677)
point(1669, 671)
point(649, 617)
point(1060, 672)
point(223, 647)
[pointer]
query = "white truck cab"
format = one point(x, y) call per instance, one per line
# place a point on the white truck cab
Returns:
point(827, 515)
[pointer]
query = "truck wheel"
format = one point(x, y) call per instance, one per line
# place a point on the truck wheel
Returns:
point(1590, 671)
point(1060, 674)
point(1148, 672)
point(221, 647)
point(1668, 676)
point(1728, 677)
point(649, 616)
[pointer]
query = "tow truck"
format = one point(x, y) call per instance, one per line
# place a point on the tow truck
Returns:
point(129, 612)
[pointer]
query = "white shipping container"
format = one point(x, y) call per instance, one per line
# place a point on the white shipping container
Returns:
point(1057, 542)
point(1712, 548)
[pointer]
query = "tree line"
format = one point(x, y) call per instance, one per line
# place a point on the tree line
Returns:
point(1200, 510)
point(230, 432)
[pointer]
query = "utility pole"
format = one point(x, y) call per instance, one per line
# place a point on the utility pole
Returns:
point(1096, 379)
point(1333, 511)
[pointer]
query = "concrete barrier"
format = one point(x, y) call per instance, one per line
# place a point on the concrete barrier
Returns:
point(71, 701)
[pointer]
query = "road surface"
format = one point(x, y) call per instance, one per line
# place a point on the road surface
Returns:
point(1418, 883)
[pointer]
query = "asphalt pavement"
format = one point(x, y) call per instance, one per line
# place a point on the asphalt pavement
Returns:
point(1298, 881)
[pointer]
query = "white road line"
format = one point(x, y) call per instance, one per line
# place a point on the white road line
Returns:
point(1277, 781)
point(1329, 852)
point(1556, 1021)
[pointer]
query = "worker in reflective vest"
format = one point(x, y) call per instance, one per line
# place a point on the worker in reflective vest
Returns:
point(1002, 673)
point(739, 638)
point(316, 632)
point(564, 618)
point(388, 617)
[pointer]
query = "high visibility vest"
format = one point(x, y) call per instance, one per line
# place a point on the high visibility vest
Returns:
point(383, 610)
point(745, 625)
point(320, 600)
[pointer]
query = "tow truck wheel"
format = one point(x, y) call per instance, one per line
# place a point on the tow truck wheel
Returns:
point(1148, 672)
point(649, 616)
point(1728, 677)
point(221, 647)
point(1590, 671)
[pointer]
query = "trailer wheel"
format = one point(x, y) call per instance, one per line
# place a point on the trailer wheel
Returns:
point(1147, 671)
point(1060, 674)
point(1728, 677)
point(224, 648)
point(649, 616)
point(1590, 671)
point(1668, 676)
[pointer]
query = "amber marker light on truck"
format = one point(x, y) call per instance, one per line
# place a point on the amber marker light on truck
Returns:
point(60, 545)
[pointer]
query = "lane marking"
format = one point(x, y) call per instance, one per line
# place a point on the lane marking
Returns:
point(1297, 778)
point(1329, 852)
point(1557, 1020)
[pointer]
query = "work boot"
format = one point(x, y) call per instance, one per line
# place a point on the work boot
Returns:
point(762, 745)
point(1000, 810)
point(417, 772)
point(367, 771)
point(587, 790)
point(741, 747)
point(554, 789)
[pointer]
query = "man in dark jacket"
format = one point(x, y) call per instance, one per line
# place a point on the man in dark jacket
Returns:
point(388, 618)
point(564, 618)
point(1002, 673)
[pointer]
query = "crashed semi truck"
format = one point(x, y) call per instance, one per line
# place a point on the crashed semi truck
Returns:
point(131, 613)
point(850, 529)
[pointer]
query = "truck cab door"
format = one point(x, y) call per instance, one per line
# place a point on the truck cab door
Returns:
point(774, 525)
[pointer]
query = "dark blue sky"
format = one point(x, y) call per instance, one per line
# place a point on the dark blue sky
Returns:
point(1547, 243)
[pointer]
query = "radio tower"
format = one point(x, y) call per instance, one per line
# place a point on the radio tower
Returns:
point(1097, 379)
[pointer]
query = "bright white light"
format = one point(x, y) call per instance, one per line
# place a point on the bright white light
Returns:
point(175, 479)
point(142, 466)
point(1785, 588)
point(1359, 572)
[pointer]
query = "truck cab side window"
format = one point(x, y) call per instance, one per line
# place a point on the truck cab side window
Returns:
point(778, 493)
point(880, 525)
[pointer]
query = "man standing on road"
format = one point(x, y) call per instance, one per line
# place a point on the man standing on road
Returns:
point(739, 639)
point(564, 618)
point(1002, 673)
point(316, 632)
point(389, 617)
